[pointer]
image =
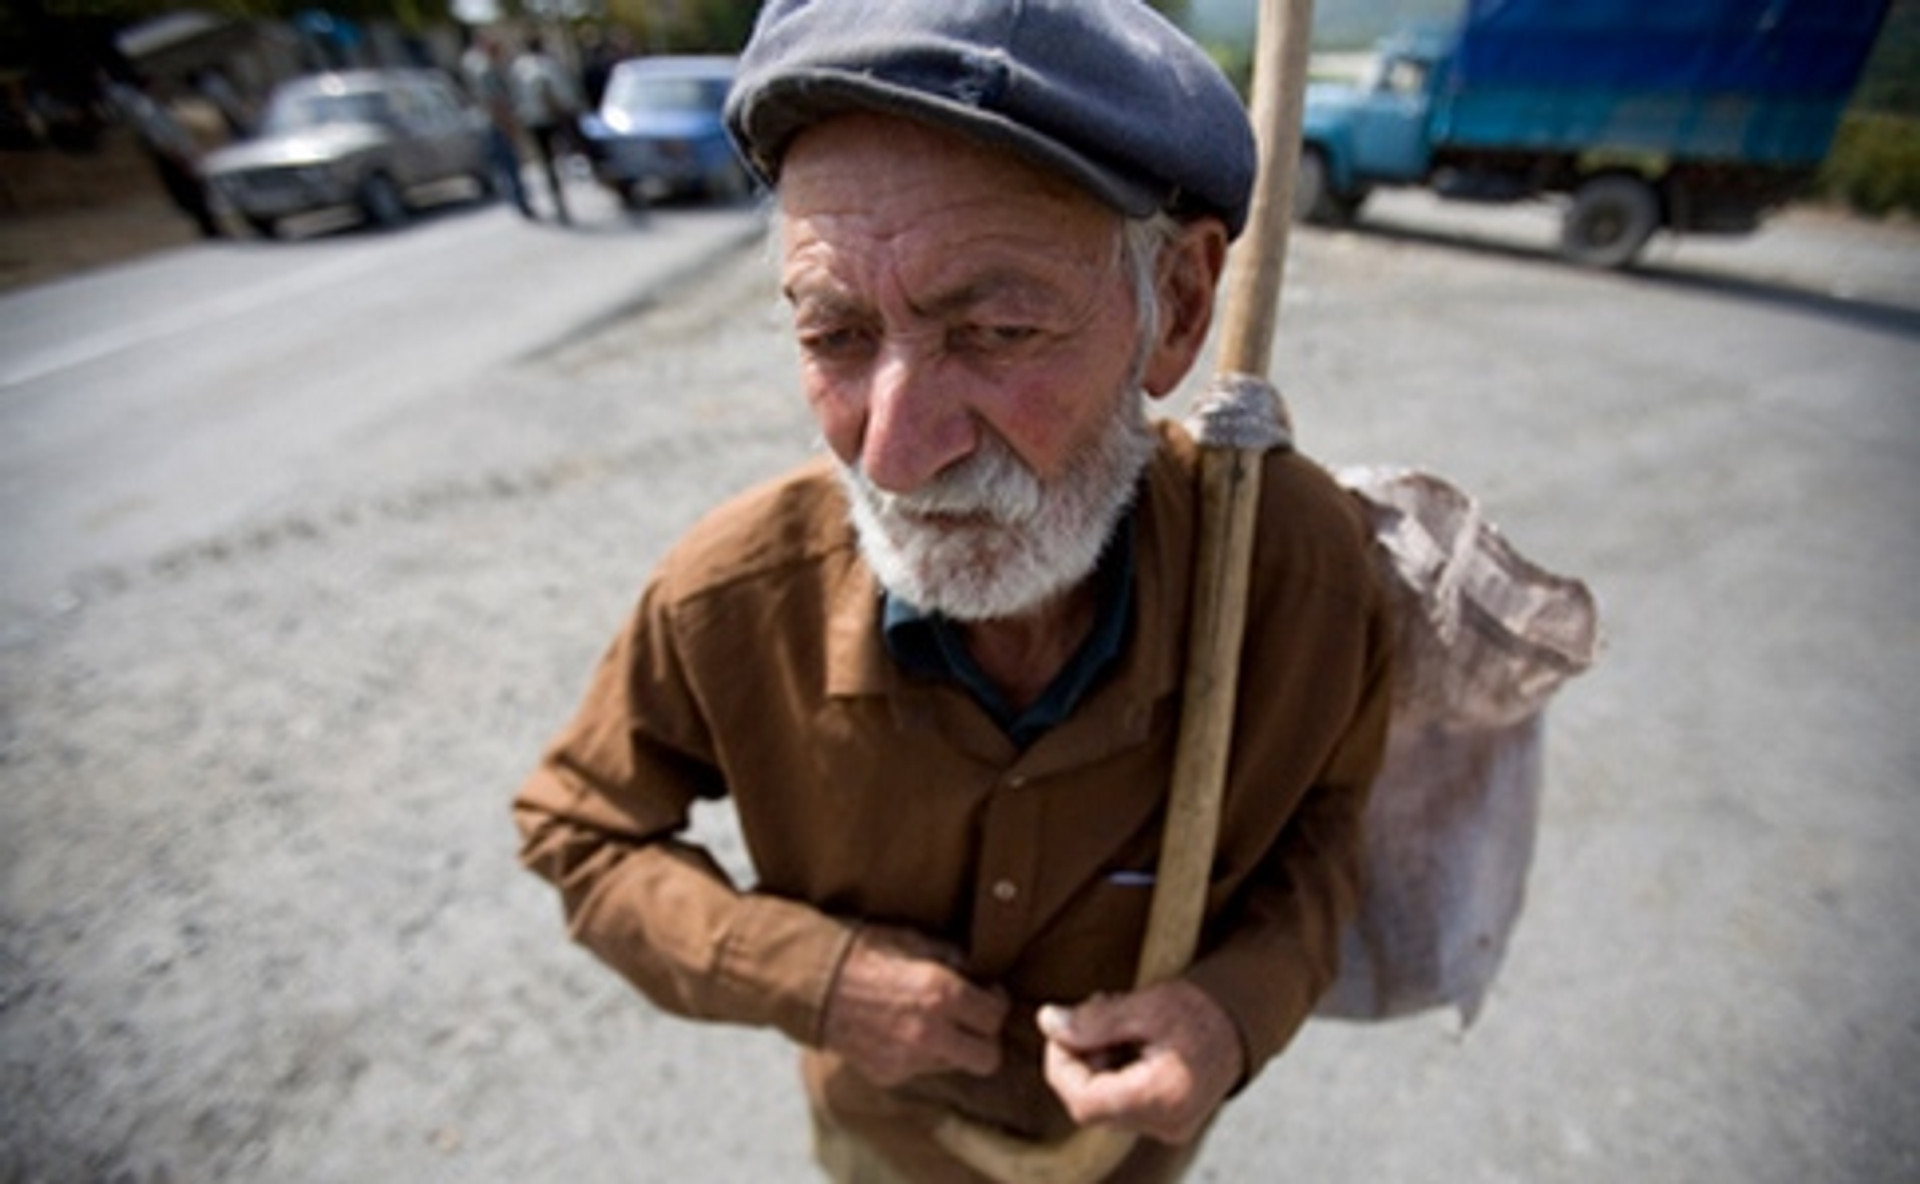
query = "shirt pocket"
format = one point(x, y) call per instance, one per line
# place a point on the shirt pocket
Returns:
point(1093, 943)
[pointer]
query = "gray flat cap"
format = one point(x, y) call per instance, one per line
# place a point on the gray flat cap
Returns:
point(1106, 92)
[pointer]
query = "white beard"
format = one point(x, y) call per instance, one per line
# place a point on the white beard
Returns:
point(987, 539)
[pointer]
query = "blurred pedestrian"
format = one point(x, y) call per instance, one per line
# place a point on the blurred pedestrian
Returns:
point(547, 103)
point(213, 85)
point(485, 69)
point(171, 147)
point(600, 54)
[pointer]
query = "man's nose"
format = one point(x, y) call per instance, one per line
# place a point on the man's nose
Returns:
point(918, 422)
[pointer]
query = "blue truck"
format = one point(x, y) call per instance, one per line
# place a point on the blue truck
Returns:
point(1695, 116)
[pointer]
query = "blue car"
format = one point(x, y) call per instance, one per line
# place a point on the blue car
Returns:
point(658, 132)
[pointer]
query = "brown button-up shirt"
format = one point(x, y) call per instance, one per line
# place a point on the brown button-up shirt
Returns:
point(754, 668)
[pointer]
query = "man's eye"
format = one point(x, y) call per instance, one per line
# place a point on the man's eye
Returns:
point(832, 343)
point(994, 338)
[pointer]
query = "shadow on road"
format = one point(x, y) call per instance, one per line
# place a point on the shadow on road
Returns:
point(1863, 312)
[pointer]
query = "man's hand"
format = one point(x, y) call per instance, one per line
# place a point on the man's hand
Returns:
point(900, 1009)
point(1157, 1062)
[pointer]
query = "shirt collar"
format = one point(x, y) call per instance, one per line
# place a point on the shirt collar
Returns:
point(928, 645)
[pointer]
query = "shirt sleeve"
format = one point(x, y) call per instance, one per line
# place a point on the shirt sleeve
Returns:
point(601, 819)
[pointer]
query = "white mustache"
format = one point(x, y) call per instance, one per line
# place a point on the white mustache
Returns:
point(992, 483)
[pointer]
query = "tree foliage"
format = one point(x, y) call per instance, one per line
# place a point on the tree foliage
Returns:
point(689, 26)
point(411, 13)
point(1891, 84)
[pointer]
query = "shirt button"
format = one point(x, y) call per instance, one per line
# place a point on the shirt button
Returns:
point(1005, 890)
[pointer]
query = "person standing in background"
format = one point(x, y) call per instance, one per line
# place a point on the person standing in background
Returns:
point(171, 147)
point(484, 68)
point(547, 102)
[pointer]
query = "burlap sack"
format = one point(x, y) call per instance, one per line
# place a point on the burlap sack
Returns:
point(1485, 639)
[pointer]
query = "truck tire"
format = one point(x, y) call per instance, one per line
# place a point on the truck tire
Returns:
point(1314, 201)
point(1611, 219)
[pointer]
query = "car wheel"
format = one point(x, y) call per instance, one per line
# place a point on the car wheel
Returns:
point(264, 227)
point(1611, 218)
point(382, 202)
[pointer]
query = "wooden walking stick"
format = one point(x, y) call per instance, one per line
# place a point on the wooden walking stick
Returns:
point(1238, 420)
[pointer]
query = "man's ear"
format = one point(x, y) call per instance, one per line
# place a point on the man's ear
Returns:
point(1189, 272)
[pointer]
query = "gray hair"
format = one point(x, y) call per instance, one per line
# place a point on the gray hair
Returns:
point(1142, 242)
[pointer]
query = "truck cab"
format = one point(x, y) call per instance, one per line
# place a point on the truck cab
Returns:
point(1373, 132)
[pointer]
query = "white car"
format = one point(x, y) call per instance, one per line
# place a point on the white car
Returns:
point(369, 140)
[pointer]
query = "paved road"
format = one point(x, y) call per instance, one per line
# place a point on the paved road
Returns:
point(150, 406)
point(258, 912)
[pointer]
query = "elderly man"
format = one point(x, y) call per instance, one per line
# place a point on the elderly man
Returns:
point(938, 673)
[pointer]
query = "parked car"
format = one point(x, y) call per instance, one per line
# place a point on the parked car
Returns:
point(658, 132)
point(369, 140)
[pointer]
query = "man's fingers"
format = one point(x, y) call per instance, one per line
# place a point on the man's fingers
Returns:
point(963, 1023)
point(1102, 1021)
point(1092, 1059)
point(1151, 1093)
point(1070, 1075)
point(980, 1010)
point(968, 1050)
point(899, 1009)
point(1158, 1061)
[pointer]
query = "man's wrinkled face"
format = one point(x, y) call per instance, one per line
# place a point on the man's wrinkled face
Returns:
point(970, 345)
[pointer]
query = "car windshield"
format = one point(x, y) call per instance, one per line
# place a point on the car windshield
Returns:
point(311, 109)
point(643, 92)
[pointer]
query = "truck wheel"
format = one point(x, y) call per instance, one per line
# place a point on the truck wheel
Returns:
point(1611, 218)
point(1313, 201)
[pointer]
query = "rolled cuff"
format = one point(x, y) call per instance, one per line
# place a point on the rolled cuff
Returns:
point(777, 963)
